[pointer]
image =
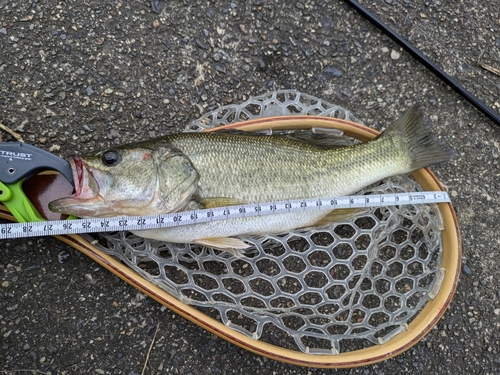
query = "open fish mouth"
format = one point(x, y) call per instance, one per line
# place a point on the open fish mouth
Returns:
point(86, 189)
point(77, 169)
point(85, 184)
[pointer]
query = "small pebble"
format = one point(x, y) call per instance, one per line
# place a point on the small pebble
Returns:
point(66, 48)
point(64, 256)
point(466, 269)
point(202, 45)
point(113, 134)
point(220, 68)
point(395, 55)
point(89, 278)
point(89, 90)
point(332, 72)
point(210, 13)
point(217, 56)
point(157, 6)
point(32, 355)
point(52, 348)
point(3, 31)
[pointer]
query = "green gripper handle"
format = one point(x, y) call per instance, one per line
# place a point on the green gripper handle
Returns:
point(14, 198)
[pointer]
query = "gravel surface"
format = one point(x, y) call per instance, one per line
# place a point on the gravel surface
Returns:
point(76, 76)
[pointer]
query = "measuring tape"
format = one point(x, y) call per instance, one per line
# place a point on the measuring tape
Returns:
point(128, 223)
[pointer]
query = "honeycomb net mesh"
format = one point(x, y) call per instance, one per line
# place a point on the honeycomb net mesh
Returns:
point(322, 290)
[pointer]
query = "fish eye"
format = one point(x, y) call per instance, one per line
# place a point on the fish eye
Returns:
point(111, 158)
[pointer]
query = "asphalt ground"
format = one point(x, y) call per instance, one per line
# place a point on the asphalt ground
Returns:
point(77, 76)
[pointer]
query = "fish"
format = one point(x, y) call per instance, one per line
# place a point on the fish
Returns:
point(189, 171)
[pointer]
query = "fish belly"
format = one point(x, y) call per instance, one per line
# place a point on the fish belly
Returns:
point(276, 223)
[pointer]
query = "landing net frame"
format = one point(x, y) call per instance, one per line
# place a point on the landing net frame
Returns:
point(299, 111)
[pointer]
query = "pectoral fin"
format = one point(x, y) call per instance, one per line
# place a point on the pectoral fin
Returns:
point(340, 214)
point(212, 202)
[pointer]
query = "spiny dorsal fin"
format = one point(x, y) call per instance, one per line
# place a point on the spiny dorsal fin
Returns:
point(323, 138)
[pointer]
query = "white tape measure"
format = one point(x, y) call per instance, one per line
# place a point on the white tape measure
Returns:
point(114, 224)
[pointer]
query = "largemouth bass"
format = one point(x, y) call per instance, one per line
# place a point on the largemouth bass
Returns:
point(201, 170)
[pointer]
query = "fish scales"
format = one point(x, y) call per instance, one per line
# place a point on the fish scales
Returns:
point(266, 168)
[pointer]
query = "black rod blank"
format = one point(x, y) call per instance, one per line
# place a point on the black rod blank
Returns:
point(428, 63)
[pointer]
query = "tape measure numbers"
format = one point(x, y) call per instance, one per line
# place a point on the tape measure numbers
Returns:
point(127, 223)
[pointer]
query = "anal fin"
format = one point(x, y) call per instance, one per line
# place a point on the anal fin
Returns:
point(340, 214)
point(228, 244)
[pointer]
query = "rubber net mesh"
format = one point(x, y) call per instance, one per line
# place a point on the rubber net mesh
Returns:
point(325, 290)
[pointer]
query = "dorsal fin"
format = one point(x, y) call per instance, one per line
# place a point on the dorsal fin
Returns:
point(320, 137)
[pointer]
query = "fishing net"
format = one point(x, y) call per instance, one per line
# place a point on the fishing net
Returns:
point(276, 103)
point(325, 290)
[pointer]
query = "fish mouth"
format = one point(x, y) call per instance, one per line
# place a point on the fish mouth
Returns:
point(77, 170)
point(77, 167)
point(86, 191)
point(86, 186)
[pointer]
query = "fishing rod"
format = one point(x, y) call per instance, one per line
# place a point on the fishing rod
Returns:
point(428, 63)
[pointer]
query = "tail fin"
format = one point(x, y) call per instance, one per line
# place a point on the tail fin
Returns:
point(422, 146)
